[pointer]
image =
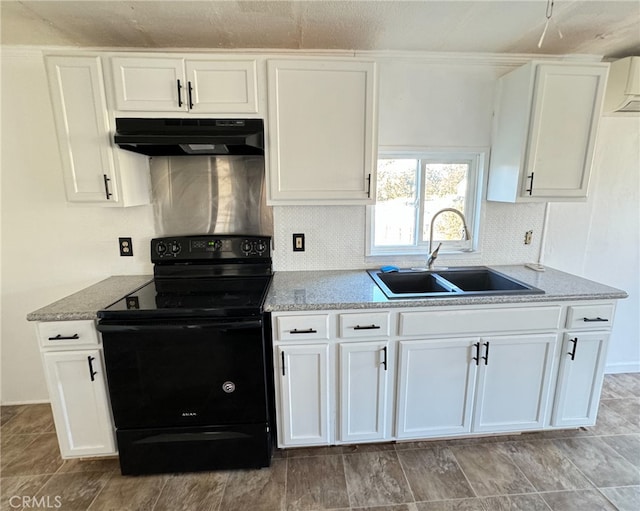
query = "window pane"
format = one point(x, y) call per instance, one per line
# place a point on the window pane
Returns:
point(445, 187)
point(395, 210)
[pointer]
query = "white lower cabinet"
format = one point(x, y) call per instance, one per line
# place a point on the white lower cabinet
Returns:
point(364, 369)
point(582, 362)
point(423, 372)
point(79, 401)
point(502, 382)
point(436, 380)
point(513, 383)
point(74, 370)
point(303, 394)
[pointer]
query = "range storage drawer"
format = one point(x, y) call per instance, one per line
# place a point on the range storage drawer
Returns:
point(372, 324)
point(590, 316)
point(301, 328)
point(56, 334)
point(477, 321)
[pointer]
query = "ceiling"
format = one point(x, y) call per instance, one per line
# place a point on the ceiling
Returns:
point(608, 28)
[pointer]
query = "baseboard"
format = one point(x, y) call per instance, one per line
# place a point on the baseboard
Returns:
point(622, 367)
point(34, 402)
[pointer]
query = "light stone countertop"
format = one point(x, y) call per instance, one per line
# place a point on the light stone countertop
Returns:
point(331, 290)
point(86, 303)
point(354, 289)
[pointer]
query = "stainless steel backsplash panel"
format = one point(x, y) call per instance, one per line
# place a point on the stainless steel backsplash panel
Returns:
point(210, 195)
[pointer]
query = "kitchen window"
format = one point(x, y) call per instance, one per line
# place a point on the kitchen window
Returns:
point(414, 185)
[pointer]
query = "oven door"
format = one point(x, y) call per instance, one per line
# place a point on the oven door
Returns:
point(180, 373)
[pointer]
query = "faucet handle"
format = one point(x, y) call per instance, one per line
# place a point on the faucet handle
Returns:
point(433, 255)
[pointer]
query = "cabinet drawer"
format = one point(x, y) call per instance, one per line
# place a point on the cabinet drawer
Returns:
point(373, 324)
point(590, 316)
point(300, 328)
point(479, 321)
point(54, 334)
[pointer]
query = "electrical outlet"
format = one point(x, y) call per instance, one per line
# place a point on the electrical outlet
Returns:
point(298, 242)
point(126, 246)
point(528, 236)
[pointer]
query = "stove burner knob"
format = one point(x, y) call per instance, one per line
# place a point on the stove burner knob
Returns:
point(246, 246)
point(161, 248)
point(261, 247)
point(175, 248)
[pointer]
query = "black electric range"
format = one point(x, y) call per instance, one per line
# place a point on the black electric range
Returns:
point(186, 358)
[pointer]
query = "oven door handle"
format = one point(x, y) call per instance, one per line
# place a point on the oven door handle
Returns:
point(145, 327)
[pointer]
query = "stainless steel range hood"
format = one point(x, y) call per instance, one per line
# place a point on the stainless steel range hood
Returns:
point(183, 137)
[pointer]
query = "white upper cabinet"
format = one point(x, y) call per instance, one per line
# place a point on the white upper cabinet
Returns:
point(149, 84)
point(222, 86)
point(545, 124)
point(93, 173)
point(322, 131)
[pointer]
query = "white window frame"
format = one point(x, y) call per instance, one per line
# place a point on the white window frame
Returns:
point(477, 158)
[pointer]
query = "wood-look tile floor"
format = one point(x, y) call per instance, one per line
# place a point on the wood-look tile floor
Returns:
point(592, 469)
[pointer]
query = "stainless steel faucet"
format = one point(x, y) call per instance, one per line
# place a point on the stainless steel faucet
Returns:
point(433, 255)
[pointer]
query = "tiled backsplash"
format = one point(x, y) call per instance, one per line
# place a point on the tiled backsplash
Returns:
point(335, 238)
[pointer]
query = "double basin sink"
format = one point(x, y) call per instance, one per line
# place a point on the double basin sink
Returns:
point(449, 282)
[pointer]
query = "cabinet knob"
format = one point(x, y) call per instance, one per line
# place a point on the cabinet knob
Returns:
point(476, 345)
point(92, 373)
point(594, 320)
point(107, 193)
point(190, 96)
point(530, 189)
point(369, 327)
point(179, 94)
point(64, 337)
point(572, 353)
point(486, 353)
point(307, 331)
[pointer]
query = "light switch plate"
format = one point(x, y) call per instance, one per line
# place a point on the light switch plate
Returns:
point(298, 242)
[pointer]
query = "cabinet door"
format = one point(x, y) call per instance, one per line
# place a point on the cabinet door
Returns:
point(582, 362)
point(79, 106)
point(513, 383)
point(222, 86)
point(566, 109)
point(79, 401)
point(364, 374)
point(322, 131)
point(149, 84)
point(435, 387)
point(303, 394)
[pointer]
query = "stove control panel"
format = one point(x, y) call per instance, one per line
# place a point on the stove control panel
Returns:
point(210, 246)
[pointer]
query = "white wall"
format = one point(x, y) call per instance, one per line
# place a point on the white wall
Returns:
point(50, 248)
point(600, 239)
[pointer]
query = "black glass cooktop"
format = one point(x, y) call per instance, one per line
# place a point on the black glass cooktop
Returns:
point(181, 298)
